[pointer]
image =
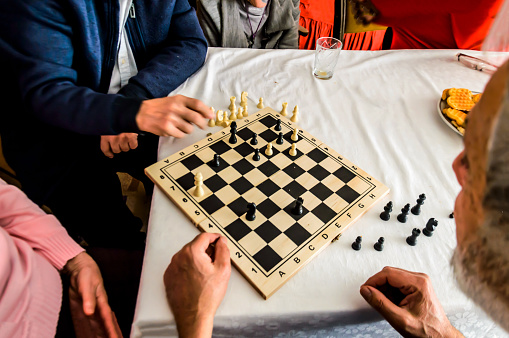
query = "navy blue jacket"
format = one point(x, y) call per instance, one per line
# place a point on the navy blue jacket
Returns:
point(56, 58)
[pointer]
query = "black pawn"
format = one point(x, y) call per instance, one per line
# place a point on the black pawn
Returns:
point(451, 215)
point(412, 239)
point(216, 162)
point(379, 246)
point(256, 156)
point(280, 138)
point(297, 210)
point(385, 215)
point(278, 125)
point(233, 132)
point(430, 227)
point(416, 209)
point(357, 244)
point(251, 212)
point(254, 140)
point(404, 214)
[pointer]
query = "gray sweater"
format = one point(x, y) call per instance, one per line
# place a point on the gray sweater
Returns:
point(223, 27)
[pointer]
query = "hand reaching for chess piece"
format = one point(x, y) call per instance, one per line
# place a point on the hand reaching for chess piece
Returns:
point(172, 116)
point(196, 282)
point(407, 301)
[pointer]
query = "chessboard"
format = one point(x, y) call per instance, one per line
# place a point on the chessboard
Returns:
point(270, 249)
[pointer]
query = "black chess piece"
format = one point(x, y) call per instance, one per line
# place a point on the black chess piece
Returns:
point(251, 212)
point(416, 209)
point(254, 140)
point(297, 210)
point(451, 215)
point(357, 244)
point(280, 138)
point(233, 132)
point(216, 162)
point(412, 239)
point(379, 246)
point(430, 227)
point(404, 213)
point(278, 125)
point(256, 156)
point(385, 215)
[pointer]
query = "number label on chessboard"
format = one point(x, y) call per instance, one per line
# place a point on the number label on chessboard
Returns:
point(270, 249)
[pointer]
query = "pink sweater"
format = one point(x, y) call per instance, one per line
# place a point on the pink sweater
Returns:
point(33, 247)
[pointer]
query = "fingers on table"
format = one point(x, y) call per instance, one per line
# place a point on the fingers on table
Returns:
point(398, 278)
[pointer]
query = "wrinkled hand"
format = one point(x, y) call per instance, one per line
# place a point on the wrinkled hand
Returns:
point(364, 11)
point(91, 314)
point(196, 282)
point(114, 144)
point(407, 301)
point(173, 116)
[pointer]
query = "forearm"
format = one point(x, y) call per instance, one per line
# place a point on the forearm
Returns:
point(196, 327)
point(21, 218)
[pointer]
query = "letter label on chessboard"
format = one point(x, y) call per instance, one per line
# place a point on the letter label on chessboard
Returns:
point(361, 205)
point(311, 248)
point(325, 236)
point(297, 260)
point(349, 215)
point(254, 270)
point(182, 153)
point(281, 273)
point(162, 177)
point(210, 225)
point(372, 196)
point(238, 254)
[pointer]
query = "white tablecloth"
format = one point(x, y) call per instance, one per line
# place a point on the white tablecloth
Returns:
point(380, 112)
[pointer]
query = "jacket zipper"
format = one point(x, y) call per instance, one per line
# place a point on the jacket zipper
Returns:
point(109, 60)
point(135, 37)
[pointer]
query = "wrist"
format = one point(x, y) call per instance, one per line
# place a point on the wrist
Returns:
point(198, 326)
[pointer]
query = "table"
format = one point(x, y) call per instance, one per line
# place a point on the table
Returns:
point(380, 112)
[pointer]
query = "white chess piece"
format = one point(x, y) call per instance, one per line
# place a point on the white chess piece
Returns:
point(260, 104)
point(212, 123)
point(198, 182)
point(232, 104)
point(283, 111)
point(293, 149)
point(219, 117)
point(239, 115)
point(269, 151)
point(245, 113)
point(295, 135)
point(243, 99)
point(295, 113)
point(232, 117)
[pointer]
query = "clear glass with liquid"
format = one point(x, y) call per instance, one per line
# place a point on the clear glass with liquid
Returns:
point(326, 57)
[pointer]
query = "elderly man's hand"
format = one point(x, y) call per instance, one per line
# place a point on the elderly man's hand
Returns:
point(407, 301)
point(364, 11)
point(173, 116)
point(196, 282)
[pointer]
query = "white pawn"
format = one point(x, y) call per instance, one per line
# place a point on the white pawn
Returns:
point(232, 104)
point(245, 113)
point(239, 115)
point(295, 135)
point(260, 103)
point(198, 182)
point(295, 113)
point(232, 117)
point(269, 151)
point(283, 111)
point(212, 123)
point(293, 149)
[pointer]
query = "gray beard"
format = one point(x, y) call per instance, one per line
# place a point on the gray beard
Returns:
point(489, 290)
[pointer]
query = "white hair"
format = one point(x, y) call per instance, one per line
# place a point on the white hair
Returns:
point(482, 268)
